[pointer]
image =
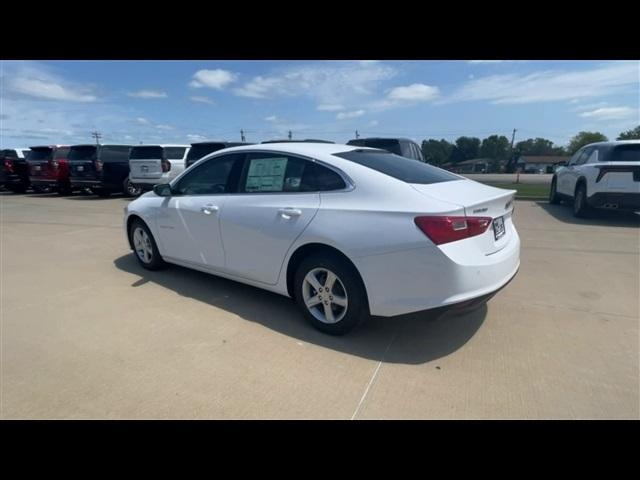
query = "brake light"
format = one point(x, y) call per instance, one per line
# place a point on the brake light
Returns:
point(447, 229)
point(166, 165)
point(54, 164)
point(98, 164)
point(8, 165)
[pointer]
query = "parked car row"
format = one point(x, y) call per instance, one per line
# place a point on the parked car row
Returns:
point(104, 169)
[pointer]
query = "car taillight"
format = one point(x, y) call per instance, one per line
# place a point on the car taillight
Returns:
point(449, 229)
point(166, 165)
point(8, 165)
point(98, 164)
point(54, 164)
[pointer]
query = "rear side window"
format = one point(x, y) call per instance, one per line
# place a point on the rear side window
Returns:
point(116, 153)
point(62, 152)
point(174, 153)
point(145, 153)
point(398, 167)
point(277, 173)
point(86, 152)
point(626, 153)
point(37, 154)
point(8, 153)
point(215, 176)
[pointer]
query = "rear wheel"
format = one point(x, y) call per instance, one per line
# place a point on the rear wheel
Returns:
point(580, 206)
point(144, 246)
point(331, 294)
point(130, 189)
point(64, 189)
point(554, 199)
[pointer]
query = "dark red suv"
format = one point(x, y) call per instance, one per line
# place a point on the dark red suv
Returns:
point(49, 168)
point(14, 174)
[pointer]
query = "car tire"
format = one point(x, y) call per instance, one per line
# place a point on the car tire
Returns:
point(64, 189)
point(580, 206)
point(130, 189)
point(340, 309)
point(144, 245)
point(17, 189)
point(554, 198)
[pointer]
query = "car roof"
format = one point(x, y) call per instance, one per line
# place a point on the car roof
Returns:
point(300, 148)
point(104, 145)
point(163, 145)
point(49, 146)
point(223, 142)
point(612, 143)
point(399, 139)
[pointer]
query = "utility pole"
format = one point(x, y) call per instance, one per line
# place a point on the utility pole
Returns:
point(511, 159)
point(357, 134)
point(241, 135)
point(289, 134)
point(97, 135)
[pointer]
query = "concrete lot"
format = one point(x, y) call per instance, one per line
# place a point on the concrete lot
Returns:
point(86, 333)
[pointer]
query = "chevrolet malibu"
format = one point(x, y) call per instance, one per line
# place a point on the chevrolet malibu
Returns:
point(345, 231)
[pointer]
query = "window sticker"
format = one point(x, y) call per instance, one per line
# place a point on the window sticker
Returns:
point(266, 174)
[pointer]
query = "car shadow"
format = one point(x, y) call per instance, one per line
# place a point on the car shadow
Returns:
point(408, 339)
point(607, 218)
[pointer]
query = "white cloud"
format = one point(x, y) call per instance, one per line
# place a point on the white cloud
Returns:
point(33, 81)
point(354, 114)
point(271, 118)
point(418, 92)
point(373, 123)
point(329, 83)
point(201, 99)
point(611, 113)
point(165, 127)
point(143, 121)
point(551, 85)
point(330, 108)
point(485, 61)
point(194, 137)
point(217, 79)
point(148, 94)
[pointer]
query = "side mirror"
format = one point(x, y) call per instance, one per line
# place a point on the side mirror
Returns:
point(162, 190)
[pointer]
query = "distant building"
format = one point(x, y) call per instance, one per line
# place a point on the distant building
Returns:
point(473, 165)
point(539, 163)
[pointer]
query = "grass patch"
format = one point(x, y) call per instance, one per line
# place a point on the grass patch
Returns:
point(524, 189)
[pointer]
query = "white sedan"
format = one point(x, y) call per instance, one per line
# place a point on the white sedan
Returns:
point(346, 231)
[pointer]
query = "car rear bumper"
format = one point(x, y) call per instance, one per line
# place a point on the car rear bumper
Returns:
point(142, 181)
point(44, 182)
point(13, 179)
point(425, 278)
point(618, 200)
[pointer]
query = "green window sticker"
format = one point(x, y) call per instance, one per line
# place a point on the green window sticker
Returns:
point(266, 174)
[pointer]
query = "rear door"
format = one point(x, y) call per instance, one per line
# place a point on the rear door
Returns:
point(270, 210)
point(145, 162)
point(621, 171)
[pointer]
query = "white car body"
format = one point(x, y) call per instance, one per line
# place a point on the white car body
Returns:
point(251, 237)
point(148, 171)
point(610, 180)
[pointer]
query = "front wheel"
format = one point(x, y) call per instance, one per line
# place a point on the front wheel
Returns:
point(331, 294)
point(144, 246)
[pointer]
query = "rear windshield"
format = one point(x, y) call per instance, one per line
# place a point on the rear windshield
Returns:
point(62, 152)
point(87, 152)
point(174, 153)
point(199, 151)
point(398, 167)
point(626, 153)
point(143, 153)
point(114, 153)
point(43, 153)
point(389, 145)
point(8, 153)
point(25, 153)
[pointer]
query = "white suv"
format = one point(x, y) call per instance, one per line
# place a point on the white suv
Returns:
point(600, 175)
point(153, 164)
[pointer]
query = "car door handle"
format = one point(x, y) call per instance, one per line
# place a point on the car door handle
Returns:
point(288, 213)
point(209, 208)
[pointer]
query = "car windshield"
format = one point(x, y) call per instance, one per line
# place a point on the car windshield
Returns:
point(143, 153)
point(87, 152)
point(38, 154)
point(626, 153)
point(398, 167)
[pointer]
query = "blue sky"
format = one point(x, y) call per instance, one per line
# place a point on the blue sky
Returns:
point(187, 101)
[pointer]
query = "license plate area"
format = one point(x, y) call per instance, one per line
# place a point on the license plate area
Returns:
point(80, 168)
point(498, 228)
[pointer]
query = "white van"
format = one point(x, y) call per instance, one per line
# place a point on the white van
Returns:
point(153, 164)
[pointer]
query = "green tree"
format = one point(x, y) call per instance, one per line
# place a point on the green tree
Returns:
point(584, 138)
point(495, 147)
point(465, 149)
point(633, 134)
point(537, 146)
point(436, 152)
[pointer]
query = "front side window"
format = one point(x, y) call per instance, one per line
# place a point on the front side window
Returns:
point(216, 176)
point(584, 156)
point(276, 173)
